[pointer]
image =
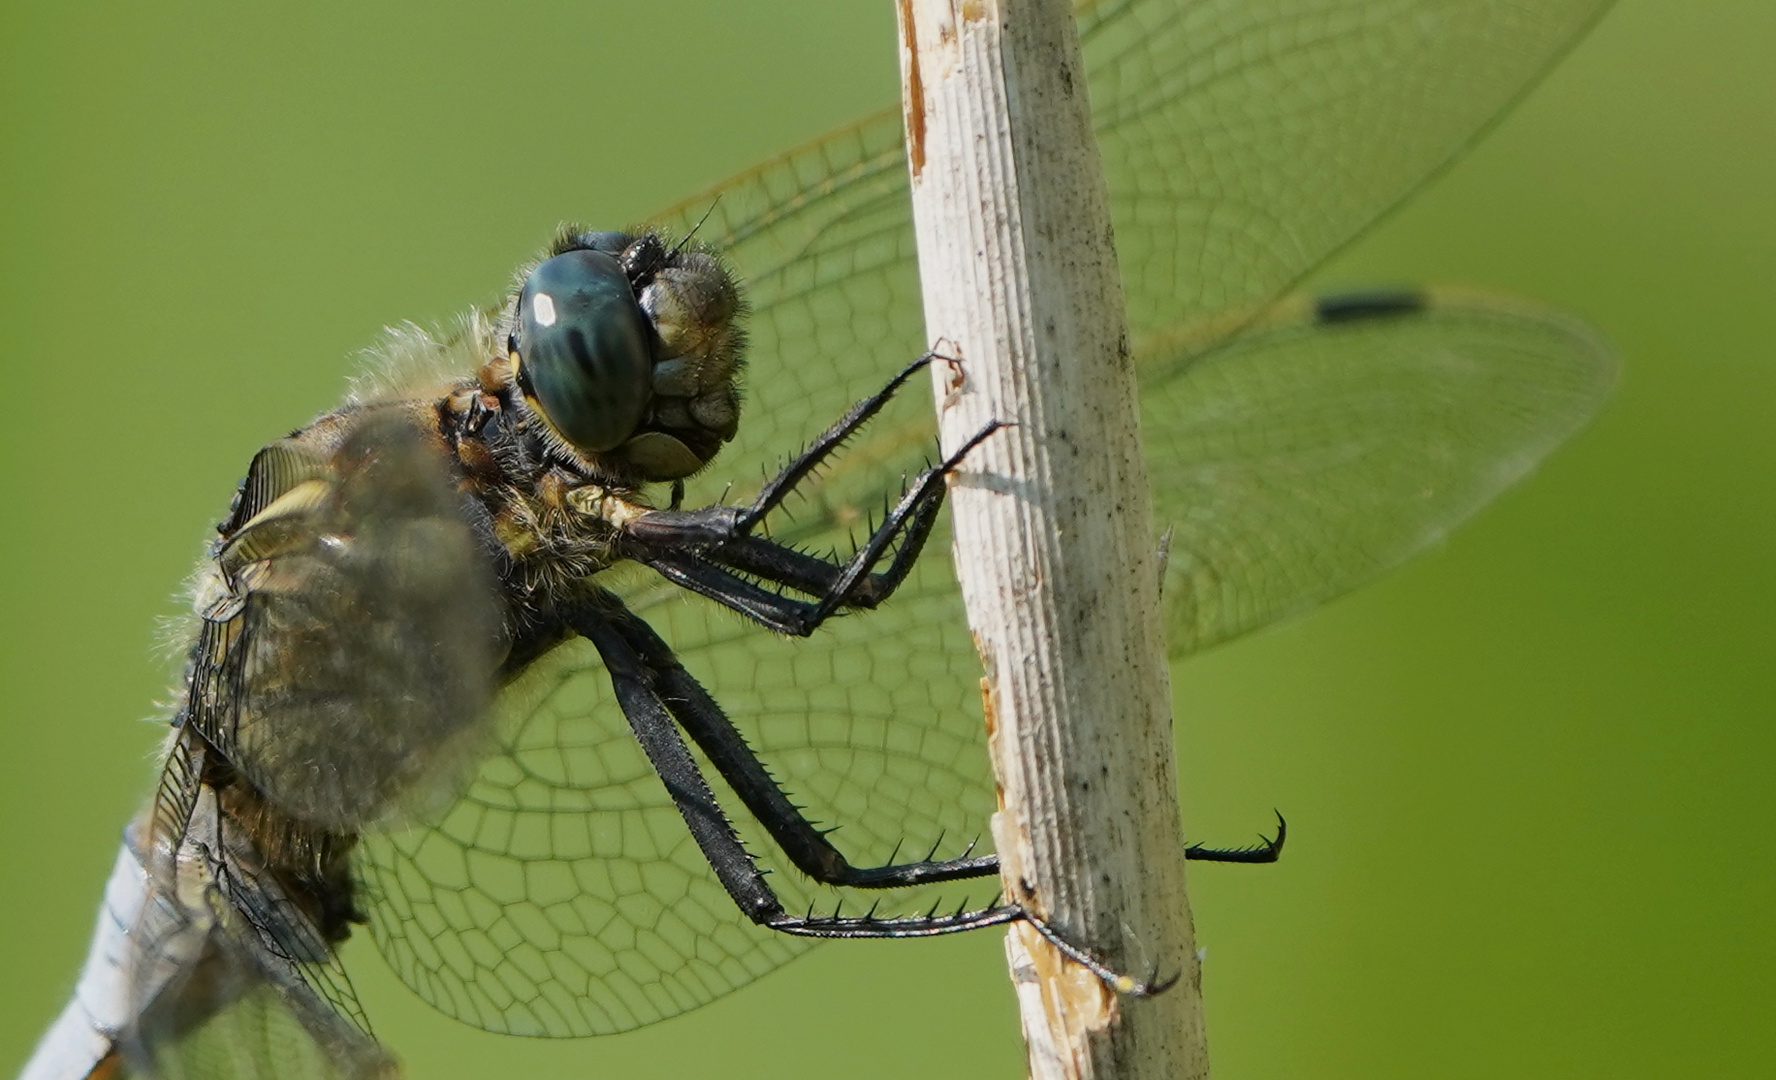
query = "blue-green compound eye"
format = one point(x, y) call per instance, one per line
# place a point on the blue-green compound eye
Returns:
point(583, 355)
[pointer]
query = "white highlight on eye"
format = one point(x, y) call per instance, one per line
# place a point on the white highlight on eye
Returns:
point(542, 308)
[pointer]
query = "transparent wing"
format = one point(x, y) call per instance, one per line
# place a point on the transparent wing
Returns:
point(564, 896)
point(342, 659)
point(1245, 140)
point(1243, 144)
point(253, 1037)
point(231, 977)
point(246, 1027)
point(1332, 441)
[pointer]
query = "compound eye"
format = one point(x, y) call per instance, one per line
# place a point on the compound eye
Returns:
point(583, 355)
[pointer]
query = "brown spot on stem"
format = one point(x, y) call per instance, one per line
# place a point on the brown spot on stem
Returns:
point(912, 93)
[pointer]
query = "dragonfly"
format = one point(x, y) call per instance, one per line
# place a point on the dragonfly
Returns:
point(548, 662)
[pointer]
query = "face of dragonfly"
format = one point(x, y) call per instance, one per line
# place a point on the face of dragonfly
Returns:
point(541, 880)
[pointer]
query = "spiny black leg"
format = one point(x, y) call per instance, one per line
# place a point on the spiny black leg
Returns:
point(933, 924)
point(671, 759)
point(1267, 850)
point(703, 719)
point(914, 926)
point(770, 609)
point(715, 524)
point(779, 486)
point(1109, 976)
point(719, 524)
point(715, 836)
point(929, 485)
point(817, 576)
point(690, 705)
point(713, 574)
point(615, 633)
point(658, 539)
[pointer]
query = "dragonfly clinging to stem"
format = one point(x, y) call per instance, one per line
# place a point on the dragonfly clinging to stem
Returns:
point(464, 669)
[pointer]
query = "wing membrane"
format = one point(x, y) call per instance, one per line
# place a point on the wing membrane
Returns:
point(254, 1037)
point(564, 896)
point(348, 579)
point(1244, 142)
point(229, 976)
point(1314, 452)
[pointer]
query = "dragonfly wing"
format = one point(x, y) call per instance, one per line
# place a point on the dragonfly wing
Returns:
point(1333, 440)
point(201, 967)
point(342, 660)
point(1245, 142)
point(229, 976)
point(564, 895)
point(254, 1036)
point(1242, 143)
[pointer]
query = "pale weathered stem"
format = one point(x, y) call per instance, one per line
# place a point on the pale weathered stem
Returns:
point(1054, 537)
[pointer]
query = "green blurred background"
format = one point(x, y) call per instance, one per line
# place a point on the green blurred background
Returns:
point(1529, 779)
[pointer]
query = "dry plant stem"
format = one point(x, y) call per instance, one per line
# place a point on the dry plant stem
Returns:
point(1054, 538)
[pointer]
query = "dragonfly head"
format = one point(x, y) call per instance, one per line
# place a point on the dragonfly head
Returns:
point(628, 351)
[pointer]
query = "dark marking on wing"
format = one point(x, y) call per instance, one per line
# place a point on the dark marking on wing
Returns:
point(1368, 304)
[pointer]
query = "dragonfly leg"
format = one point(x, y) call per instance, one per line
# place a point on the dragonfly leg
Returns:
point(729, 575)
point(611, 630)
point(768, 607)
point(932, 924)
point(659, 539)
point(654, 729)
point(928, 488)
point(816, 576)
point(1267, 850)
point(791, 475)
point(698, 713)
point(701, 717)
